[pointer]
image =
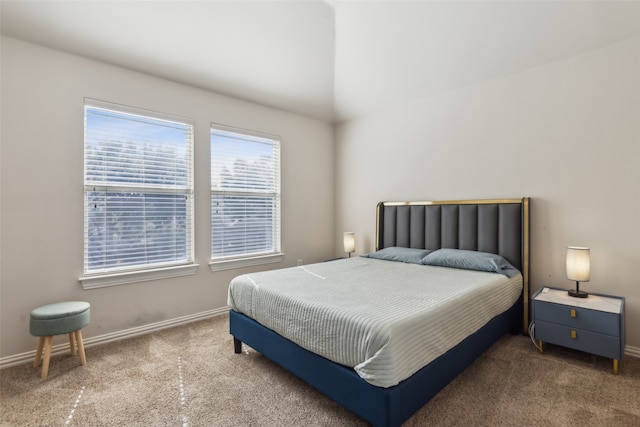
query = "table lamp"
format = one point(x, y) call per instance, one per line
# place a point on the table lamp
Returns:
point(578, 269)
point(349, 242)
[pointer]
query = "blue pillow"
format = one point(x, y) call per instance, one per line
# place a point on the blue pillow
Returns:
point(395, 253)
point(470, 260)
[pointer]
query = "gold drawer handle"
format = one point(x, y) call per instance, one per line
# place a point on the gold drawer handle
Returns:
point(574, 334)
point(573, 312)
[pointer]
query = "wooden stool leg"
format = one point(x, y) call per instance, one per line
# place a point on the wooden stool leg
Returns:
point(83, 358)
point(72, 343)
point(47, 357)
point(38, 360)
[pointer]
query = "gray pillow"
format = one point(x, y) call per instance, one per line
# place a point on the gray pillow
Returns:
point(470, 260)
point(395, 253)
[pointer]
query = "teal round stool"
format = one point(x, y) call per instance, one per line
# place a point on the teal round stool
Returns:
point(67, 317)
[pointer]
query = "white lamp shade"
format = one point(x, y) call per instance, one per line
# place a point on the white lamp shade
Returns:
point(578, 264)
point(349, 242)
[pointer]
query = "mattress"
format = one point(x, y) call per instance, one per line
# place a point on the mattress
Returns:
point(384, 319)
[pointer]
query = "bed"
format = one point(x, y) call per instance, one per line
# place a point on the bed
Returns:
point(382, 394)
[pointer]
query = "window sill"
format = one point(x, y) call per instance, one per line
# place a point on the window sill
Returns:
point(229, 264)
point(100, 281)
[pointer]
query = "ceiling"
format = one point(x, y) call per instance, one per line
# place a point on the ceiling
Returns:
point(334, 60)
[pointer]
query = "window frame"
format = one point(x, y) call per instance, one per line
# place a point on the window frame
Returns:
point(143, 272)
point(229, 262)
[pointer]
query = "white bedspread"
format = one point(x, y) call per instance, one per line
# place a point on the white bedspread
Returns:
point(385, 319)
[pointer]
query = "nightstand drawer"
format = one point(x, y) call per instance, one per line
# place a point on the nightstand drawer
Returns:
point(579, 318)
point(579, 339)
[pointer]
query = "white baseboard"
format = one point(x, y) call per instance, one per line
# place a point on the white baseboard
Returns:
point(632, 351)
point(18, 359)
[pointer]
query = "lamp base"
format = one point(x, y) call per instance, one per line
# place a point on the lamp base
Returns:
point(578, 293)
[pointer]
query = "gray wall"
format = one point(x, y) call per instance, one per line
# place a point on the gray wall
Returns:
point(43, 92)
point(566, 134)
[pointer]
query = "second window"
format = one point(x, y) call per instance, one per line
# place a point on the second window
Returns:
point(245, 194)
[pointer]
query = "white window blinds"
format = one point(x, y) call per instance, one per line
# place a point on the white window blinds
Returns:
point(138, 189)
point(245, 194)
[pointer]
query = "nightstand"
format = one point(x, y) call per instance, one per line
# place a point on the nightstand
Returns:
point(594, 324)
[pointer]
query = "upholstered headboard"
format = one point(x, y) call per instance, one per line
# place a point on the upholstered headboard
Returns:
point(495, 226)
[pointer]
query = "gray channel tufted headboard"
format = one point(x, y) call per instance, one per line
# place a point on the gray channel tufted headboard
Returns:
point(495, 226)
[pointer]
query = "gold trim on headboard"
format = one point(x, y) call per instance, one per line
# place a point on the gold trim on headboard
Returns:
point(454, 202)
point(524, 202)
point(525, 264)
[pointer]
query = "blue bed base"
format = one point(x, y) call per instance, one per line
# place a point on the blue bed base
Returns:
point(382, 407)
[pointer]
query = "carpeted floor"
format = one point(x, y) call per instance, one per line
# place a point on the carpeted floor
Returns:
point(189, 376)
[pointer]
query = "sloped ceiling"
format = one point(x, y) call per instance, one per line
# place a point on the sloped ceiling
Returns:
point(332, 60)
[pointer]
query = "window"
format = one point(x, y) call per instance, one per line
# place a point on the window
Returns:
point(138, 191)
point(245, 198)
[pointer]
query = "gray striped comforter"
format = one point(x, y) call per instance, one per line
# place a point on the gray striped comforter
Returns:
point(385, 319)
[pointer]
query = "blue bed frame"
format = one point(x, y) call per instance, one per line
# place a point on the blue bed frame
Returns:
point(405, 224)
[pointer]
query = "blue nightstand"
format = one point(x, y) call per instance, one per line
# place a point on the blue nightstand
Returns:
point(594, 324)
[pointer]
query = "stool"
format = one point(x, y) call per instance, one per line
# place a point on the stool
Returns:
point(56, 319)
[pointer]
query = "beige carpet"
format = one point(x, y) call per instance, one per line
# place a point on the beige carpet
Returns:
point(189, 376)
